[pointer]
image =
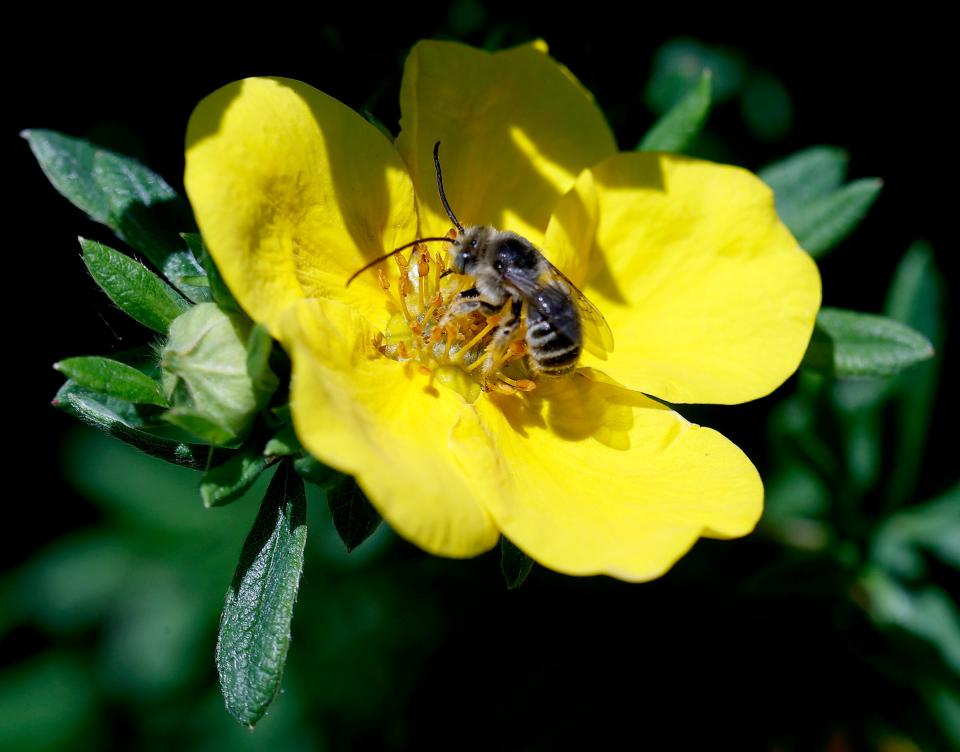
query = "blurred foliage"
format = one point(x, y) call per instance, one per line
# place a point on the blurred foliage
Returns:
point(835, 626)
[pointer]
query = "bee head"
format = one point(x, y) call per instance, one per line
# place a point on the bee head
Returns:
point(468, 249)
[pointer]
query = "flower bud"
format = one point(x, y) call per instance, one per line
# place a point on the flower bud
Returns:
point(215, 373)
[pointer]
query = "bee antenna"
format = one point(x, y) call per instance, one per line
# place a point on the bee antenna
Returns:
point(443, 196)
point(385, 256)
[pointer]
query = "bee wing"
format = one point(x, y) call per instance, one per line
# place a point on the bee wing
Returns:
point(597, 337)
point(548, 295)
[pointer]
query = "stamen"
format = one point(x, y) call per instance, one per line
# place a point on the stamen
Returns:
point(402, 285)
point(423, 270)
point(492, 324)
point(440, 269)
point(451, 332)
point(437, 301)
point(476, 364)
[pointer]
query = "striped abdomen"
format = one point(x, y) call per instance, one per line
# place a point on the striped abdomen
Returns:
point(554, 340)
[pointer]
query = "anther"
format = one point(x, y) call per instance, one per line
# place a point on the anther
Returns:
point(451, 331)
point(524, 385)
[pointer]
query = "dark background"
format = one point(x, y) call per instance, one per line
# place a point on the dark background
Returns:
point(563, 662)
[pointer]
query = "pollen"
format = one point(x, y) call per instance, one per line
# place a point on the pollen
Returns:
point(460, 352)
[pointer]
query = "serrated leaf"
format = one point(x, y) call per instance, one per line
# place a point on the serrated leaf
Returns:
point(136, 290)
point(229, 481)
point(804, 177)
point(354, 517)
point(677, 129)
point(849, 344)
point(514, 564)
point(255, 625)
point(219, 292)
point(113, 378)
point(119, 419)
point(119, 192)
point(824, 222)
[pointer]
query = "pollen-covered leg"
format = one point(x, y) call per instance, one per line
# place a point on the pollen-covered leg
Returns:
point(467, 302)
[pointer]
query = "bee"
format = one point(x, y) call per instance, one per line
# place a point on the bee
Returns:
point(507, 268)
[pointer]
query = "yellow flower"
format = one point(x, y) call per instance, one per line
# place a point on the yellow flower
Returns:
point(709, 298)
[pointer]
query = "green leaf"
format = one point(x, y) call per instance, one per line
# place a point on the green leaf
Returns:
point(680, 62)
point(514, 563)
point(136, 290)
point(804, 177)
point(283, 444)
point(201, 426)
point(916, 298)
point(354, 517)
point(119, 192)
point(259, 345)
point(825, 222)
point(848, 344)
point(675, 130)
point(811, 201)
point(219, 292)
point(928, 615)
point(215, 372)
point(255, 626)
point(229, 481)
point(933, 527)
point(314, 471)
point(112, 378)
point(120, 419)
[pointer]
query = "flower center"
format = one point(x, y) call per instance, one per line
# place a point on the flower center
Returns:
point(457, 350)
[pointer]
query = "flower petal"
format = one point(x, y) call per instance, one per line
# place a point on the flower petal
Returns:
point(293, 192)
point(381, 422)
point(596, 479)
point(709, 296)
point(516, 127)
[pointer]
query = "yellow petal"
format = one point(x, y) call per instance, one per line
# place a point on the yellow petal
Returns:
point(383, 423)
point(596, 479)
point(709, 297)
point(293, 192)
point(516, 129)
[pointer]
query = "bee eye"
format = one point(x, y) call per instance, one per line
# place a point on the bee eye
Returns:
point(474, 243)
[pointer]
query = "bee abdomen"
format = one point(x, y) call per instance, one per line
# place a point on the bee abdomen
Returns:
point(554, 354)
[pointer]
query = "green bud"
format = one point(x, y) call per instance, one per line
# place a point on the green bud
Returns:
point(215, 373)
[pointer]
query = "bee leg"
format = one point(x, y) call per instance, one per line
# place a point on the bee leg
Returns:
point(503, 337)
point(466, 303)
